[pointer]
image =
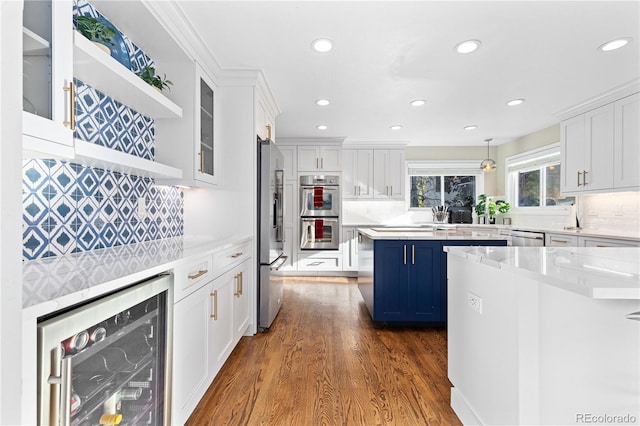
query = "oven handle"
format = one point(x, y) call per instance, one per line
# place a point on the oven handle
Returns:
point(61, 413)
point(276, 267)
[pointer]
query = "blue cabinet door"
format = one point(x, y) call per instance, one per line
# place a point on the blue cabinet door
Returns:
point(424, 303)
point(390, 281)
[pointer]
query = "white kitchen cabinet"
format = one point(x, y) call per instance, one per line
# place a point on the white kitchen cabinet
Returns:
point(191, 359)
point(221, 336)
point(290, 203)
point(627, 142)
point(586, 146)
point(606, 242)
point(357, 173)
point(349, 248)
point(600, 143)
point(241, 297)
point(389, 173)
point(290, 154)
point(560, 240)
point(191, 144)
point(47, 77)
point(212, 310)
point(319, 158)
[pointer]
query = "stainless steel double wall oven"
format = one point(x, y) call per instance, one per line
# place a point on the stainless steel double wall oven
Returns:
point(319, 212)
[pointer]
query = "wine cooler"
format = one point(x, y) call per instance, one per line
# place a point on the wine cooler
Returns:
point(106, 362)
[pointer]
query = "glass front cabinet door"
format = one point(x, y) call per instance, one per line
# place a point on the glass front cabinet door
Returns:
point(47, 75)
point(206, 161)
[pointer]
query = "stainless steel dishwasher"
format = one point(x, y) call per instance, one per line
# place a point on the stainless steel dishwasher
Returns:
point(527, 238)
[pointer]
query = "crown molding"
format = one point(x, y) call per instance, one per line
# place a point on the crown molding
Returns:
point(619, 92)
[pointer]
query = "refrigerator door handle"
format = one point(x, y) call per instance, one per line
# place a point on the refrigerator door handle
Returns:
point(60, 413)
point(277, 265)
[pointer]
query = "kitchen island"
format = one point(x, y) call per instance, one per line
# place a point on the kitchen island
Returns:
point(544, 335)
point(402, 270)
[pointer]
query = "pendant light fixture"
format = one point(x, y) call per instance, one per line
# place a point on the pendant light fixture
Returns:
point(488, 165)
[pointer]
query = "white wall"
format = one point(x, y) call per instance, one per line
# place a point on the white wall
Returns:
point(10, 213)
point(229, 209)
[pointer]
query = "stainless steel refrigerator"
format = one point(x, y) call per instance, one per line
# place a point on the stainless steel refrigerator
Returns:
point(270, 230)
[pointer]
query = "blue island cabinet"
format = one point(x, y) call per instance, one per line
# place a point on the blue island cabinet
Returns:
point(405, 281)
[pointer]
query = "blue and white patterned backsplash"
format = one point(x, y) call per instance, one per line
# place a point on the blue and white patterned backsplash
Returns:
point(69, 208)
point(105, 121)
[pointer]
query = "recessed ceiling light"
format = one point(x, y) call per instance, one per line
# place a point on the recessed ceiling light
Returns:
point(467, 46)
point(321, 127)
point(395, 127)
point(417, 102)
point(471, 127)
point(514, 102)
point(614, 44)
point(322, 102)
point(322, 45)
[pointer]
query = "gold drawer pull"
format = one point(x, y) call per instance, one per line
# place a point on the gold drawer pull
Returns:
point(215, 305)
point(199, 274)
point(238, 254)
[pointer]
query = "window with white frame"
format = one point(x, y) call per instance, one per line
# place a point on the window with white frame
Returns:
point(533, 179)
point(433, 183)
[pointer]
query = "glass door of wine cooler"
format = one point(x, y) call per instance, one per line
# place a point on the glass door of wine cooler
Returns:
point(106, 362)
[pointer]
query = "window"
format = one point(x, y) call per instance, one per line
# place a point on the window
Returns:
point(534, 179)
point(432, 184)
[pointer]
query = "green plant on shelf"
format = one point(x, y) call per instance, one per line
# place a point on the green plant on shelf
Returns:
point(94, 30)
point(148, 74)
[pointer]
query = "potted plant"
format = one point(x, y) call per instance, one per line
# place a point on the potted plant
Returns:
point(95, 30)
point(481, 207)
point(503, 208)
point(148, 74)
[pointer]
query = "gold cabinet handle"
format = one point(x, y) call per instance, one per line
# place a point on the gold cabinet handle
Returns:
point(391, 191)
point(238, 254)
point(241, 283)
point(268, 131)
point(72, 106)
point(413, 255)
point(584, 178)
point(237, 278)
point(321, 163)
point(405, 254)
point(198, 274)
point(215, 305)
point(317, 163)
point(201, 154)
point(579, 173)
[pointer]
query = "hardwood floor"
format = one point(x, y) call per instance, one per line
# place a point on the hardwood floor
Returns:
point(323, 362)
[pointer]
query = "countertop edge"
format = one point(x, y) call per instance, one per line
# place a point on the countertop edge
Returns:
point(186, 249)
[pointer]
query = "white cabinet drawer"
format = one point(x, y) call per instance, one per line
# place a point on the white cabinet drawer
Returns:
point(224, 259)
point(557, 240)
point(192, 275)
point(320, 261)
point(606, 242)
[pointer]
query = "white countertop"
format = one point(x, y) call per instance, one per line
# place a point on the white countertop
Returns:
point(55, 283)
point(584, 232)
point(452, 233)
point(599, 273)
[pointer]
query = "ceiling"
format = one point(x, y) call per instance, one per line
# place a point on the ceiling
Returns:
point(388, 53)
